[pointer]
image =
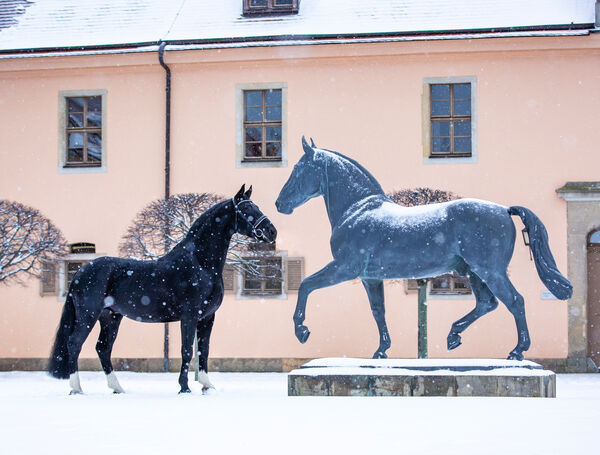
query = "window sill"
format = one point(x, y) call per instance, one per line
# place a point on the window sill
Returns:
point(72, 169)
point(450, 159)
point(261, 163)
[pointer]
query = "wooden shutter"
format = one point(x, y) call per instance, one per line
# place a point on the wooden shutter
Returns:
point(229, 278)
point(294, 267)
point(49, 278)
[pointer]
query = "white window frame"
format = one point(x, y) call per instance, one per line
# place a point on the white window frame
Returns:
point(239, 122)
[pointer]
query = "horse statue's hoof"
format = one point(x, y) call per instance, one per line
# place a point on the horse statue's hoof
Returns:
point(453, 341)
point(302, 333)
point(380, 355)
point(515, 356)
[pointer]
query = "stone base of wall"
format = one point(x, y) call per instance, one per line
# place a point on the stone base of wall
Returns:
point(257, 365)
point(569, 365)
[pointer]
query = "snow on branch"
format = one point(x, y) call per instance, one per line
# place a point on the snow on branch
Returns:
point(27, 239)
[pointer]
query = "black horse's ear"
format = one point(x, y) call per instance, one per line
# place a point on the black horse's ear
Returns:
point(248, 193)
point(240, 193)
point(307, 148)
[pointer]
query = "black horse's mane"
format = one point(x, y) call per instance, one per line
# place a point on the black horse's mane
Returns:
point(201, 220)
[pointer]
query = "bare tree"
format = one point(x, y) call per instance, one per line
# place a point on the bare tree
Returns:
point(164, 222)
point(27, 239)
point(421, 196)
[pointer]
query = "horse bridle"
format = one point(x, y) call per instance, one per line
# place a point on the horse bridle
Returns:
point(255, 229)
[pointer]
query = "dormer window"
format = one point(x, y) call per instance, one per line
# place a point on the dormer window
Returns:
point(252, 7)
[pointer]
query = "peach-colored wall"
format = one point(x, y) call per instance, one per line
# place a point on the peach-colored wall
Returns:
point(537, 100)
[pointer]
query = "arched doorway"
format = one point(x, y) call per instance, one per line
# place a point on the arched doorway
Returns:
point(593, 296)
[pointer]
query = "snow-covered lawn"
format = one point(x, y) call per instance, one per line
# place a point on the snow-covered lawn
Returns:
point(251, 413)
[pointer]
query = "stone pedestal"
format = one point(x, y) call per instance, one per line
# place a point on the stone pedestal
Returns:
point(422, 377)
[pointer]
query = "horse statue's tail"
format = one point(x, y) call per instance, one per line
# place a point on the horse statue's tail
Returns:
point(58, 364)
point(555, 281)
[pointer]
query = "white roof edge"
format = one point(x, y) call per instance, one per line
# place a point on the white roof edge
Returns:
point(302, 42)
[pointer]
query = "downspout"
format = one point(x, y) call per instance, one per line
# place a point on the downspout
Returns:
point(161, 51)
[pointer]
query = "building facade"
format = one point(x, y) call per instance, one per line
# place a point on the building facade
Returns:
point(501, 106)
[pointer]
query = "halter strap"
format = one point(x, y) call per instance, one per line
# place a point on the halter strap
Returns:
point(255, 230)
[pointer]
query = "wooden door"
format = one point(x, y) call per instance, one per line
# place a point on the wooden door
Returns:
point(593, 301)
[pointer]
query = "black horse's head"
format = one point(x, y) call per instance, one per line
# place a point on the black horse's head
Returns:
point(304, 183)
point(249, 220)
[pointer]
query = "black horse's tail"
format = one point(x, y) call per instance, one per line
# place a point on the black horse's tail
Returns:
point(58, 364)
point(555, 281)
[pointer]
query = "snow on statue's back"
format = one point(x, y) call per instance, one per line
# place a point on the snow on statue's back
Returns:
point(375, 239)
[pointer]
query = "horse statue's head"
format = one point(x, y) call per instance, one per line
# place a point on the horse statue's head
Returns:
point(249, 220)
point(304, 183)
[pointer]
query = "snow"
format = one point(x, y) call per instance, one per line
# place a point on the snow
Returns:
point(81, 23)
point(333, 362)
point(250, 413)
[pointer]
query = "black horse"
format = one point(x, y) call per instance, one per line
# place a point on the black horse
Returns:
point(184, 285)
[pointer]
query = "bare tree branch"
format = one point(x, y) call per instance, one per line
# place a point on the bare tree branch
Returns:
point(27, 238)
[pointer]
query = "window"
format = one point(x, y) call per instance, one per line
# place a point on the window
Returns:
point(262, 125)
point(449, 120)
point(71, 268)
point(451, 283)
point(270, 7)
point(261, 111)
point(270, 280)
point(82, 129)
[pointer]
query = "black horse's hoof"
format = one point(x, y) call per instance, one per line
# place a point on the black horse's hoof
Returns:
point(453, 341)
point(380, 355)
point(515, 356)
point(185, 390)
point(302, 333)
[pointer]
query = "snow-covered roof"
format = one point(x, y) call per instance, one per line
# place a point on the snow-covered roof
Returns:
point(37, 25)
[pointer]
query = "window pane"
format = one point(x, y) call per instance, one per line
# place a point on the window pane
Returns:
point(461, 129)
point(273, 98)
point(75, 104)
point(258, 2)
point(273, 133)
point(462, 107)
point(94, 119)
point(75, 140)
point(283, 2)
point(253, 150)
point(274, 113)
point(273, 149)
point(253, 134)
point(94, 139)
point(441, 283)
point(75, 155)
point(95, 104)
point(94, 154)
point(252, 284)
point(75, 120)
point(440, 107)
point(462, 91)
point(253, 98)
point(440, 92)
point(254, 114)
point(441, 145)
point(462, 145)
point(441, 129)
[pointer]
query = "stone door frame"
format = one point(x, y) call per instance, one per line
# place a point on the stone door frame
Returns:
point(583, 217)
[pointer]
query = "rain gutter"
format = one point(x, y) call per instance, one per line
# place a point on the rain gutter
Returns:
point(161, 60)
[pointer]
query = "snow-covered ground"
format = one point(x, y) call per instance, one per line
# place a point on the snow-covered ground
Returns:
point(251, 413)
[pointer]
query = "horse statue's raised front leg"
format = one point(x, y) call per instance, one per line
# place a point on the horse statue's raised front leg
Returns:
point(376, 300)
point(332, 273)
